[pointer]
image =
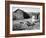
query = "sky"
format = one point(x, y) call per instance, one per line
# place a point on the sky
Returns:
point(26, 8)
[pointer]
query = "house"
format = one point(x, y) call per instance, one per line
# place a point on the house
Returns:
point(20, 14)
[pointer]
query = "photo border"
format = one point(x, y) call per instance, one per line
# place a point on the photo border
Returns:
point(7, 18)
point(25, 31)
